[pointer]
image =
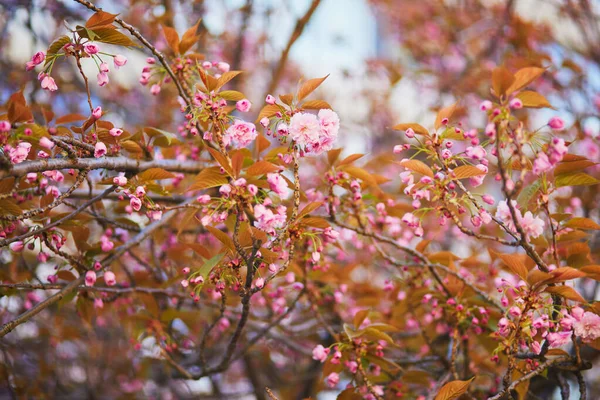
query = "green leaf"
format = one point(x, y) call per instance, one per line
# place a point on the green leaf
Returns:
point(575, 179)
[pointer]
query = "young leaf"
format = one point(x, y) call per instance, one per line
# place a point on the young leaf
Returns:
point(221, 236)
point(315, 105)
point(575, 179)
point(350, 159)
point(582, 223)
point(262, 168)
point(232, 95)
point(467, 171)
point(309, 86)
point(267, 111)
point(515, 264)
point(420, 130)
point(172, 38)
point(444, 113)
point(533, 100)
point(417, 166)
point(524, 77)
point(209, 177)
point(100, 19)
point(155, 174)
point(226, 77)
point(453, 390)
point(190, 37)
point(502, 79)
point(567, 292)
point(572, 166)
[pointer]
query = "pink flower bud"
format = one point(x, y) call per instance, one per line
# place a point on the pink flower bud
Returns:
point(110, 278)
point(90, 278)
point(91, 48)
point(556, 123)
point(47, 143)
point(99, 150)
point(270, 99)
point(120, 180)
point(97, 112)
point(119, 61)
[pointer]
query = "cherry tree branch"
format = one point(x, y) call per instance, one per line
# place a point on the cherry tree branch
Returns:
point(71, 287)
point(120, 164)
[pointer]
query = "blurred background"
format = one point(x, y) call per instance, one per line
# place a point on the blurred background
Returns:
point(389, 61)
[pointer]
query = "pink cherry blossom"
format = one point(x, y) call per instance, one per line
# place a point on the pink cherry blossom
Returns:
point(116, 132)
point(91, 48)
point(304, 129)
point(588, 327)
point(49, 84)
point(332, 379)
point(243, 105)
point(277, 184)
point(102, 79)
point(241, 134)
point(135, 203)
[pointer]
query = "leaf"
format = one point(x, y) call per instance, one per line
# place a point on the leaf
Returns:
point(444, 113)
point(575, 179)
point(467, 171)
point(533, 100)
point(377, 335)
point(333, 155)
point(567, 292)
point(161, 138)
point(207, 178)
point(110, 36)
point(350, 159)
point(572, 166)
point(65, 119)
point(362, 174)
point(310, 207)
point(286, 99)
point(417, 166)
point(314, 222)
point(155, 174)
point(359, 317)
point(222, 160)
point(349, 394)
point(267, 111)
point(55, 47)
point(232, 95)
point(208, 266)
point(592, 271)
point(537, 277)
point(99, 19)
point(262, 168)
point(226, 77)
point(453, 390)
point(17, 108)
point(131, 146)
point(515, 264)
point(582, 223)
point(222, 236)
point(502, 79)
point(66, 275)
point(172, 38)
point(309, 86)
point(563, 274)
point(524, 77)
point(9, 207)
point(190, 37)
point(315, 105)
point(420, 130)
